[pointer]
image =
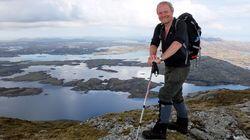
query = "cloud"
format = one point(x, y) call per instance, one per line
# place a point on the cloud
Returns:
point(101, 12)
point(55, 24)
point(200, 11)
point(238, 10)
point(85, 12)
point(17, 13)
point(217, 26)
point(130, 15)
point(36, 11)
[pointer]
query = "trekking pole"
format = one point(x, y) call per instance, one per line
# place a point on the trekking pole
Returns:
point(154, 70)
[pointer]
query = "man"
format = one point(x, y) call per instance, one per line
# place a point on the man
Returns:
point(173, 38)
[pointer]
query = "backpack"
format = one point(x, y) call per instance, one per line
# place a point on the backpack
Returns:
point(194, 34)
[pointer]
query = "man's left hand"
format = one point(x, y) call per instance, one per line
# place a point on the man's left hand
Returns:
point(158, 60)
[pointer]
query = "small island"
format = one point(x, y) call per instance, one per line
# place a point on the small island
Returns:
point(16, 91)
point(40, 76)
point(136, 87)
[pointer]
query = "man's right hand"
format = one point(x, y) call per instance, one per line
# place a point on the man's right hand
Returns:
point(151, 59)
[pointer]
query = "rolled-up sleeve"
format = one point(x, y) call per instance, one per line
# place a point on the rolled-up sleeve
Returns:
point(156, 37)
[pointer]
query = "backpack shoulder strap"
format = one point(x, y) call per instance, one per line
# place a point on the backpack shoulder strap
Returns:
point(176, 22)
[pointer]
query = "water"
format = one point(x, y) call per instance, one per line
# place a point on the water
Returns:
point(190, 88)
point(140, 55)
point(69, 73)
point(56, 102)
point(63, 103)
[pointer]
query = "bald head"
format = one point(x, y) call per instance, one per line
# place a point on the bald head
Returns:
point(165, 3)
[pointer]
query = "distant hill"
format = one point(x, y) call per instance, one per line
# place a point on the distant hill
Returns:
point(235, 52)
point(211, 71)
point(211, 39)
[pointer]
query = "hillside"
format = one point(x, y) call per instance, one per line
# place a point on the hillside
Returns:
point(219, 114)
point(235, 52)
point(211, 71)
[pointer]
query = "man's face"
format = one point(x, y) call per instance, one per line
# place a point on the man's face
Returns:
point(164, 13)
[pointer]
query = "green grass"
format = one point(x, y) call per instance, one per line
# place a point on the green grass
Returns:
point(21, 129)
point(220, 98)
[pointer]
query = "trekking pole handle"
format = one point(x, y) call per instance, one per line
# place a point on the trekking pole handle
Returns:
point(154, 69)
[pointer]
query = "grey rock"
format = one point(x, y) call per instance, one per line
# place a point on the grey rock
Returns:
point(198, 134)
point(218, 124)
point(244, 107)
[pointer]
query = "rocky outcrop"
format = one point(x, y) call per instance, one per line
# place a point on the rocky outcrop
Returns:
point(214, 115)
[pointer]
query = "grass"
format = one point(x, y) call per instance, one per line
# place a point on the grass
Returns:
point(220, 98)
point(134, 116)
point(21, 129)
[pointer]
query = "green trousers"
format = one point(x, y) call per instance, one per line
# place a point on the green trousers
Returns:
point(172, 89)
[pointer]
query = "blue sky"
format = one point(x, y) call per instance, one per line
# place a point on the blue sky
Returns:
point(227, 19)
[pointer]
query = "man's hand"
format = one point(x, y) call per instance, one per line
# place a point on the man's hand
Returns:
point(151, 59)
point(158, 60)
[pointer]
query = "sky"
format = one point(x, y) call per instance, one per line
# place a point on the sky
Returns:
point(226, 19)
